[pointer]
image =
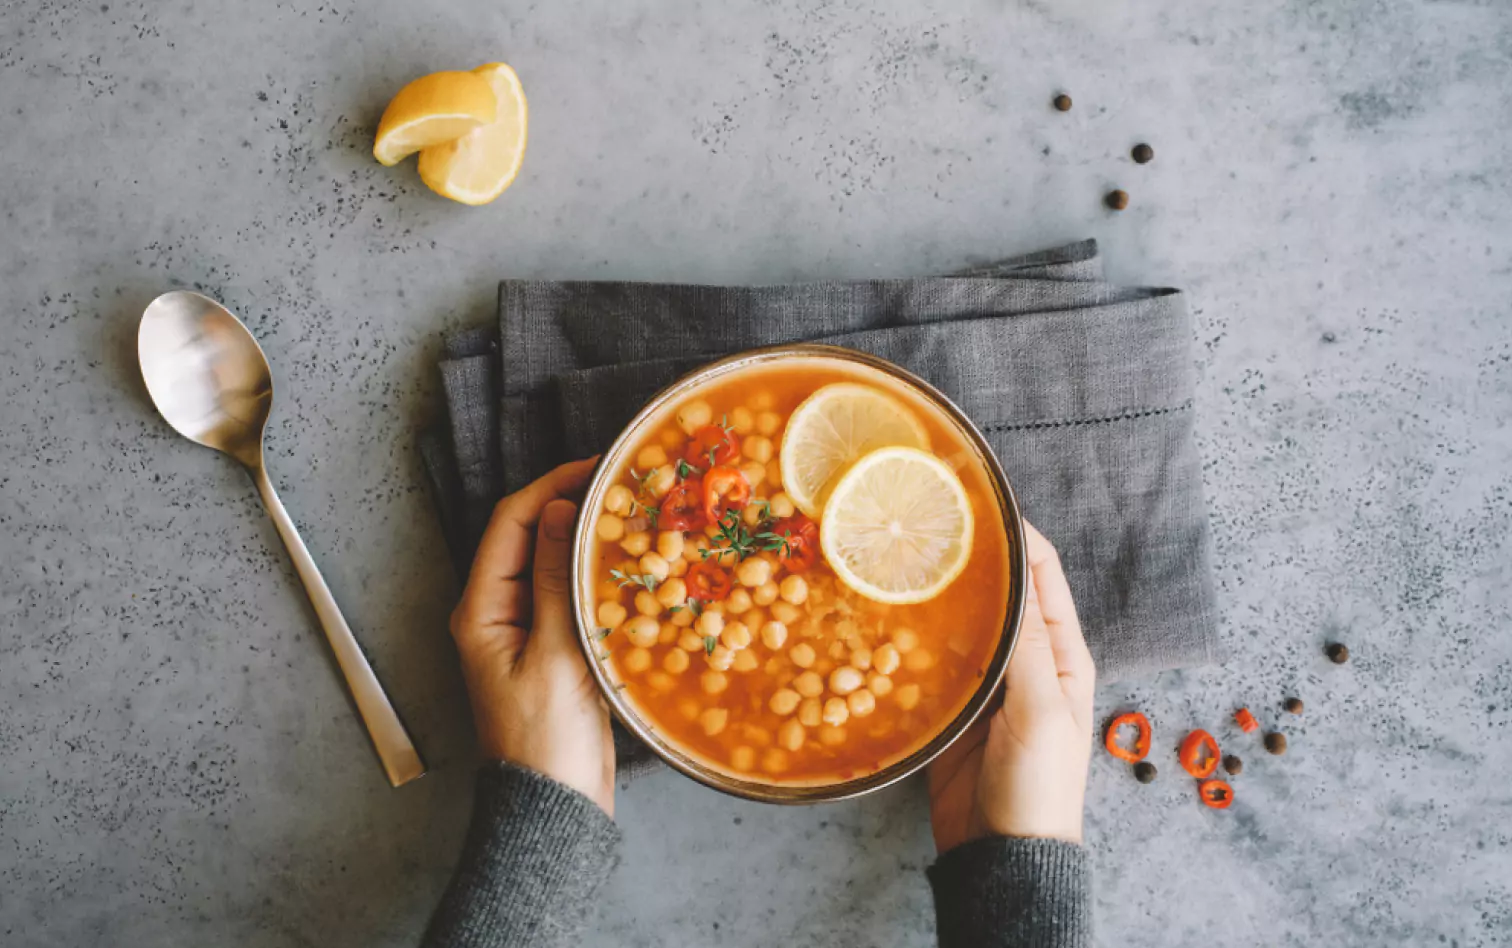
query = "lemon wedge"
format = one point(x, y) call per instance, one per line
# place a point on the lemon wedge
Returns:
point(831, 429)
point(897, 527)
point(440, 107)
point(477, 167)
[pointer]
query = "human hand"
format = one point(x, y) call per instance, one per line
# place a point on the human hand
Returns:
point(1023, 771)
point(533, 699)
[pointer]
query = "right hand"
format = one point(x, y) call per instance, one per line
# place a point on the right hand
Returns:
point(1023, 771)
point(533, 699)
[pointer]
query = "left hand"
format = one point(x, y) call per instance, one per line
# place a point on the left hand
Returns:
point(533, 699)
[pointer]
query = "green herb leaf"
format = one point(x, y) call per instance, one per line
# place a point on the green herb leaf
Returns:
point(634, 579)
point(685, 470)
point(709, 643)
point(712, 463)
point(604, 634)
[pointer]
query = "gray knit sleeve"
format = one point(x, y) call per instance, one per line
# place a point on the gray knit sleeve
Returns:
point(1023, 893)
point(535, 853)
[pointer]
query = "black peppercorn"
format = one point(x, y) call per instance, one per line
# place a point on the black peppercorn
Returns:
point(1143, 153)
point(1144, 771)
point(1233, 765)
point(1275, 742)
point(1118, 200)
point(1337, 652)
point(1294, 705)
point(1063, 102)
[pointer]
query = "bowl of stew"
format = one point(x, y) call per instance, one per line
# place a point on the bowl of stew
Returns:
point(799, 574)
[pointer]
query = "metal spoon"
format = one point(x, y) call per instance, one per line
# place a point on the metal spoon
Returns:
point(210, 380)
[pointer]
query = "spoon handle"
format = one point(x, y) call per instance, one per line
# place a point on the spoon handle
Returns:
point(401, 761)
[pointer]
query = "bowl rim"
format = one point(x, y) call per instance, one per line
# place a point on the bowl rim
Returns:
point(799, 794)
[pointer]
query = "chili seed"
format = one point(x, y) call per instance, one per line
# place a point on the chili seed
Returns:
point(1233, 765)
point(1063, 102)
point(1117, 200)
point(1294, 705)
point(1144, 771)
point(1275, 742)
point(1143, 153)
point(1337, 652)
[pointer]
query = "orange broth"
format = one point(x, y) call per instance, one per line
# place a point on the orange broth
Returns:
point(718, 706)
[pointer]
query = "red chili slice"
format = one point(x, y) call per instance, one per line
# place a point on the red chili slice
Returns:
point(1191, 754)
point(707, 582)
point(802, 536)
point(711, 438)
point(1141, 746)
point(724, 489)
point(1216, 794)
point(1246, 721)
point(683, 507)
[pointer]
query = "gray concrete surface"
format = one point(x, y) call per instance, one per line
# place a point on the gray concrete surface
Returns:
point(177, 762)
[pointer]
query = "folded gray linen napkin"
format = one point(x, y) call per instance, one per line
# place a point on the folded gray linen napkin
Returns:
point(1084, 390)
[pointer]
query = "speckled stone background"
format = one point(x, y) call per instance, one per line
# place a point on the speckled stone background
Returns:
point(178, 764)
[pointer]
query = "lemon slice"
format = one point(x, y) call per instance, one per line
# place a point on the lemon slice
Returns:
point(897, 527)
point(433, 109)
point(832, 428)
point(477, 167)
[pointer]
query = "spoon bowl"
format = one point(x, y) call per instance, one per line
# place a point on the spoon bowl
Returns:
point(211, 382)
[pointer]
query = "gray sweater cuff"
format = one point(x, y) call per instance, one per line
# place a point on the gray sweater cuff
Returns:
point(1024, 893)
point(535, 853)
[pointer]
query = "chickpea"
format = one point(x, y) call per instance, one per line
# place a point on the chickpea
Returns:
point(836, 712)
point(610, 528)
point(832, 736)
point(721, 658)
point(736, 636)
point(754, 618)
point(742, 419)
point(713, 682)
point(743, 758)
point(670, 438)
point(786, 612)
point(714, 720)
point(653, 564)
point(746, 661)
point(683, 618)
point(750, 514)
point(790, 735)
point(906, 640)
point(637, 660)
point(782, 505)
point(669, 543)
point(660, 681)
point(845, 679)
point(836, 650)
point(618, 499)
point(688, 708)
point(774, 474)
point(690, 642)
point(907, 697)
point(809, 684)
point(920, 659)
point(709, 624)
point(651, 456)
point(610, 615)
point(861, 703)
point(774, 760)
point(823, 667)
point(694, 547)
point(758, 449)
point(795, 590)
point(694, 415)
point(642, 631)
point(763, 400)
point(802, 655)
point(879, 685)
point(660, 480)
point(784, 701)
point(679, 567)
point(754, 572)
point(773, 635)
point(755, 473)
point(646, 604)
point(765, 594)
point(636, 544)
point(677, 661)
point(672, 593)
point(861, 658)
point(739, 601)
point(668, 634)
point(885, 659)
point(811, 712)
point(768, 422)
point(759, 736)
